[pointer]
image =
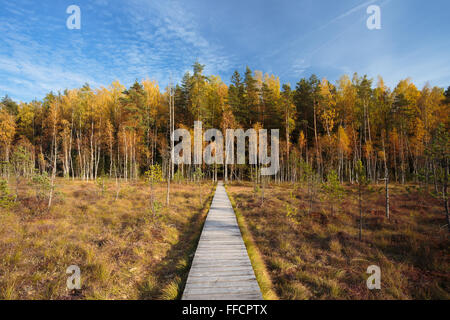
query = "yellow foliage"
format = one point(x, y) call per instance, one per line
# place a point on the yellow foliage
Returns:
point(343, 140)
point(7, 127)
point(328, 106)
point(301, 140)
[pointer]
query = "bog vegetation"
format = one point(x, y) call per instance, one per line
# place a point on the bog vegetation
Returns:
point(126, 245)
point(351, 134)
point(318, 254)
point(394, 135)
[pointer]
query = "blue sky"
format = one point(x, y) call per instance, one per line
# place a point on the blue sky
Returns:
point(137, 39)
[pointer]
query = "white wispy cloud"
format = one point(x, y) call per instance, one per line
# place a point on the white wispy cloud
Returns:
point(296, 51)
point(347, 13)
point(155, 40)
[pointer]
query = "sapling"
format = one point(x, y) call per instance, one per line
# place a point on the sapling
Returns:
point(6, 197)
point(101, 185)
point(291, 211)
point(154, 175)
point(312, 181)
point(198, 175)
point(362, 183)
point(333, 189)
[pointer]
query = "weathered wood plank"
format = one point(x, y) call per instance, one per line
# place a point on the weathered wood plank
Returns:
point(222, 296)
point(221, 268)
point(220, 279)
point(216, 265)
point(224, 290)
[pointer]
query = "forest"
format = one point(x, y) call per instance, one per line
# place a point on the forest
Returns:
point(398, 135)
point(87, 178)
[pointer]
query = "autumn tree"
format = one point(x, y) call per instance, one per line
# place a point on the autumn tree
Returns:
point(121, 131)
point(7, 131)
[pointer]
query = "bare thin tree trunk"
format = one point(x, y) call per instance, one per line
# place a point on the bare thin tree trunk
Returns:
point(125, 164)
point(316, 139)
point(92, 161)
point(70, 147)
point(386, 178)
point(360, 211)
point(55, 153)
point(444, 194)
point(117, 183)
point(110, 157)
point(168, 185)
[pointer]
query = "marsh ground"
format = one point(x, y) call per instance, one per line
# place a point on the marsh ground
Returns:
point(317, 254)
point(123, 251)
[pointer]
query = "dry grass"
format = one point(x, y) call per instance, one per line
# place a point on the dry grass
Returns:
point(262, 276)
point(317, 255)
point(122, 250)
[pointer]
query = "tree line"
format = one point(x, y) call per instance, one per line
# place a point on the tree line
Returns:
point(399, 134)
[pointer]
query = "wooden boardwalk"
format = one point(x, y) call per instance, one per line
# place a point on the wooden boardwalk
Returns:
point(221, 269)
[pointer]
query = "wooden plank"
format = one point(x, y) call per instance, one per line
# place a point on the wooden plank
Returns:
point(221, 268)
point(221, 273)
point(219, 279)
point(211, 265)
point(226, 290)
point(219, 282)
point(222, 296)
